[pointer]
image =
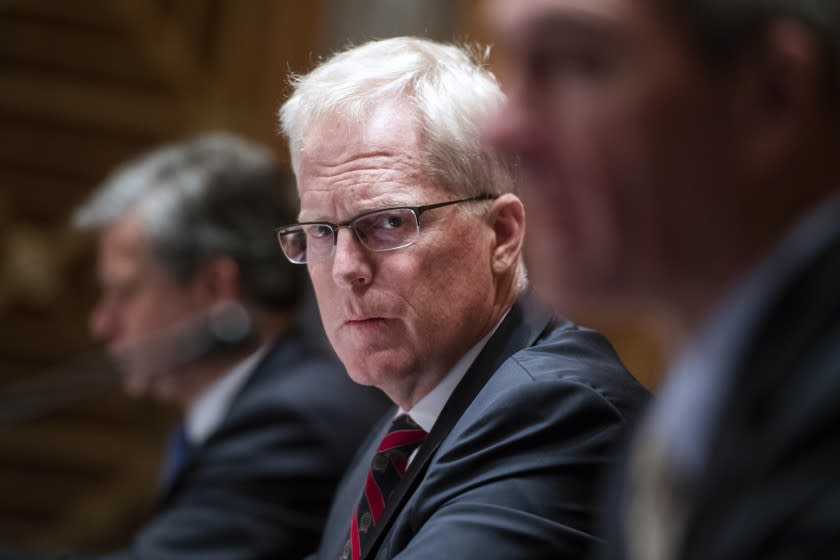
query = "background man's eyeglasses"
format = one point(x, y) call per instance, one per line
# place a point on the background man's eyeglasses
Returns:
point(378, 230)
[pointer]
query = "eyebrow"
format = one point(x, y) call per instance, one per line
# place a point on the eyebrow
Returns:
point(386, 201)
point(382, 203)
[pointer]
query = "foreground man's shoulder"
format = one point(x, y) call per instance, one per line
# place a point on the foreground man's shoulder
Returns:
point(573, 353)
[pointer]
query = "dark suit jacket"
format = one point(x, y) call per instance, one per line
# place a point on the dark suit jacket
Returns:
point(261, 485)
point(771, 489)
point(510, 469)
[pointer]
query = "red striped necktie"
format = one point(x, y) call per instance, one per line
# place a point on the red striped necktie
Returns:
point(387, 469)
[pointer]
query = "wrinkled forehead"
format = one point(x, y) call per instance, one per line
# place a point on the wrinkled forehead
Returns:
point(339, 134)
point(382, 129)
point(349, 165)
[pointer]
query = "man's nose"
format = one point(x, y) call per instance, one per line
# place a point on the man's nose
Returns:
point(102, 322)
point(351, 266)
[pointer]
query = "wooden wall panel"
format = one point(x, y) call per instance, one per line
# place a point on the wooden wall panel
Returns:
point(83, 87)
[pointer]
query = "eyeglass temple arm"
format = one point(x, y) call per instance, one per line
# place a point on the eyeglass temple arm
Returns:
point(420, 209)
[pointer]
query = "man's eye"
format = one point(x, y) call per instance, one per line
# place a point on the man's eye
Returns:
point(318, 232)
point(391, 221)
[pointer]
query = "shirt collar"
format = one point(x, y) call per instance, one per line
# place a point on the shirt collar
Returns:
point(209, 410)
point(426, 411)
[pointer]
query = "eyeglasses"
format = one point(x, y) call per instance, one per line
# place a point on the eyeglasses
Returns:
point(387, 229)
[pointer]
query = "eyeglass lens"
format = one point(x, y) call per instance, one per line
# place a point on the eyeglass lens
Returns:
point(386, 230)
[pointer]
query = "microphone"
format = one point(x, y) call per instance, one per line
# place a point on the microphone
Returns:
point(225, 329)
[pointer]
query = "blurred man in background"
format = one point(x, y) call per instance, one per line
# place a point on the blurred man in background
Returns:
point(683, 158)
point(199, 309)
point(504, 415)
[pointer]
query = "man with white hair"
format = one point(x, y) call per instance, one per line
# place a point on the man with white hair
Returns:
point(504, 415)
point(270, 419)
point(684, 155)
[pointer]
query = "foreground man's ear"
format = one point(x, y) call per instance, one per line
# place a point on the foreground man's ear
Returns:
point(507, 219)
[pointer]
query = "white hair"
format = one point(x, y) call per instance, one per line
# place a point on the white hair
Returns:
point(448, 87)
point(216, 195)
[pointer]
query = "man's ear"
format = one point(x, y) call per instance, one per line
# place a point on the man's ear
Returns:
point(507, 220)
point(221, 279)
point(781, 88)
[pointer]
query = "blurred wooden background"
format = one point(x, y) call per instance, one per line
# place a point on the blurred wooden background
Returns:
point(85, 85)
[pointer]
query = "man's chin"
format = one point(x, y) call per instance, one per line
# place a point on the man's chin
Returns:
point(376, 373)
point(363, 377)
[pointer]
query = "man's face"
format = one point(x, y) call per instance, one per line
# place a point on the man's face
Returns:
point(626, 146)
point(401, 316)
point(139, 305)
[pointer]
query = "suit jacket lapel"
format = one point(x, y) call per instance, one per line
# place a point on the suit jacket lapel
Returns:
point(525, 322)
point(278, 352)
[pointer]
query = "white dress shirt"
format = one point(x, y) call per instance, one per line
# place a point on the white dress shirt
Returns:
point(209, 410)
point(426, 411)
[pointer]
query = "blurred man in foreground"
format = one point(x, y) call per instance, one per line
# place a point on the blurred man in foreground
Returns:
point(198, 307)
point(504, 416)
point(683, 154)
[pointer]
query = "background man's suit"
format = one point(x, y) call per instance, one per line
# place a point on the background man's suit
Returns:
point(770, 488)
point(510, 468)
point(261, 485)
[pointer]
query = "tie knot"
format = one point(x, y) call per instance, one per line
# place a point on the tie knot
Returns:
point(403, 435)
point(404, 422)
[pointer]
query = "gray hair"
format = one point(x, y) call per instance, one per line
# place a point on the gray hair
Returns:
point(448, 88)
point(721, 28)
point(217, 195)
